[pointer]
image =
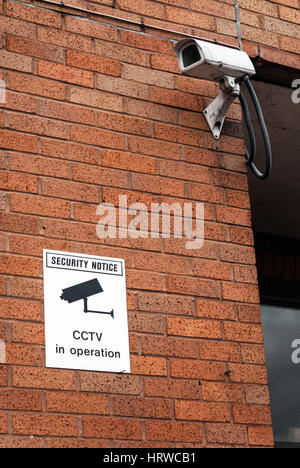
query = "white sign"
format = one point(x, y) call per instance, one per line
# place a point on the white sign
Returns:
point(85, 312)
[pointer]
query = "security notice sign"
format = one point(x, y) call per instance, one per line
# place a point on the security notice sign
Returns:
point(85, 312)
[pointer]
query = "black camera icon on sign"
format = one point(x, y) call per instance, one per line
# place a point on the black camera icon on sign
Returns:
point(82, 291)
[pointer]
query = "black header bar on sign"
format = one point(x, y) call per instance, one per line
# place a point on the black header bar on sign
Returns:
point(84, 264)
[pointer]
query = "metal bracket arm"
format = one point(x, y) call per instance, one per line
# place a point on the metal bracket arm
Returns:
point(216, 112)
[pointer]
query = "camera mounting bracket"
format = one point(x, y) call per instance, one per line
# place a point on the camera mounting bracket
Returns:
point(216, 112)
point(111, 313)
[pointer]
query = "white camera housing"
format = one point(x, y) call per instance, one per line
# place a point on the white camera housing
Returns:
point(214, 62)
point(211, 61)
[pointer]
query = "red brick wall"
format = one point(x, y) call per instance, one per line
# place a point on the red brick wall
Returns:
point(95, 108)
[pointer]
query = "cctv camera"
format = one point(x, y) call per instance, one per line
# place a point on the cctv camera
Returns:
point(211, 61)
point(229, 66)
point(83, 291)
point(215, 62)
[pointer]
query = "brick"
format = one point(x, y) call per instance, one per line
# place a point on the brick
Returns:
point(215, 309)
point(251, 414)
point(245, 274)
point(35, 85)
point(128, 161)
point(25, 355)
point(190, 18)
point(222, 391)
point(69, 231)
point(123, 53)
point(70, 190)
point(145, 7)
point(253, 354)
point(35, 377)
point(72, 402)
point(144, 280)
point(93, 63)
point(16, 265)
point(142, 407)
point(109, 383)
point(177, 99)
point(69, 112)
point(260, 36)
point(185, 171)
point(151, 110)
point(18, 182)
point(240, 292)
point(19, 102)
point(277, 56)
point(3, 423)
point(258, 435)
point(40, 205)
point(39, 165)
point(68, 150)
point(249, 313)
point(32, 333)
point(202, 411)
point(15, 61)
point(44, 424)
point(108, 428)
point(20, 442)
point(213, 8)
point(148, 365)
point(173, 431)
point(247, 373)
point(64, 39)
point(257, 394)
point(19, 309)
point(159, 185)
point(17, 27)
point(211, 269)
point(39, 125)
point(282, 27)
point(146, 323)
point(194, 327)
point(161, 263)
point(87, 27)
point(231, 180)
point(164, 346)
point(147, 76)
point(291, 45)
point(63, 442)
point(33, 14)
point(3, 376)
point(175, 134)
point(99, 137)
point(227, 27)
point(96, 99)
point(18, 141)
point(123, 87)
point(226, 434)
point(65, 73)
point(260, 6)
point(237, 253)
point(195, 369)
point(215, 351)
point(171, 388)
point(14, 399)
point(19, 223)
point(243, 332)
point(33, 48)
point(154, 147)
point(164, 303)
point(192, 286)
point(124, 123)
point(143, 41)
